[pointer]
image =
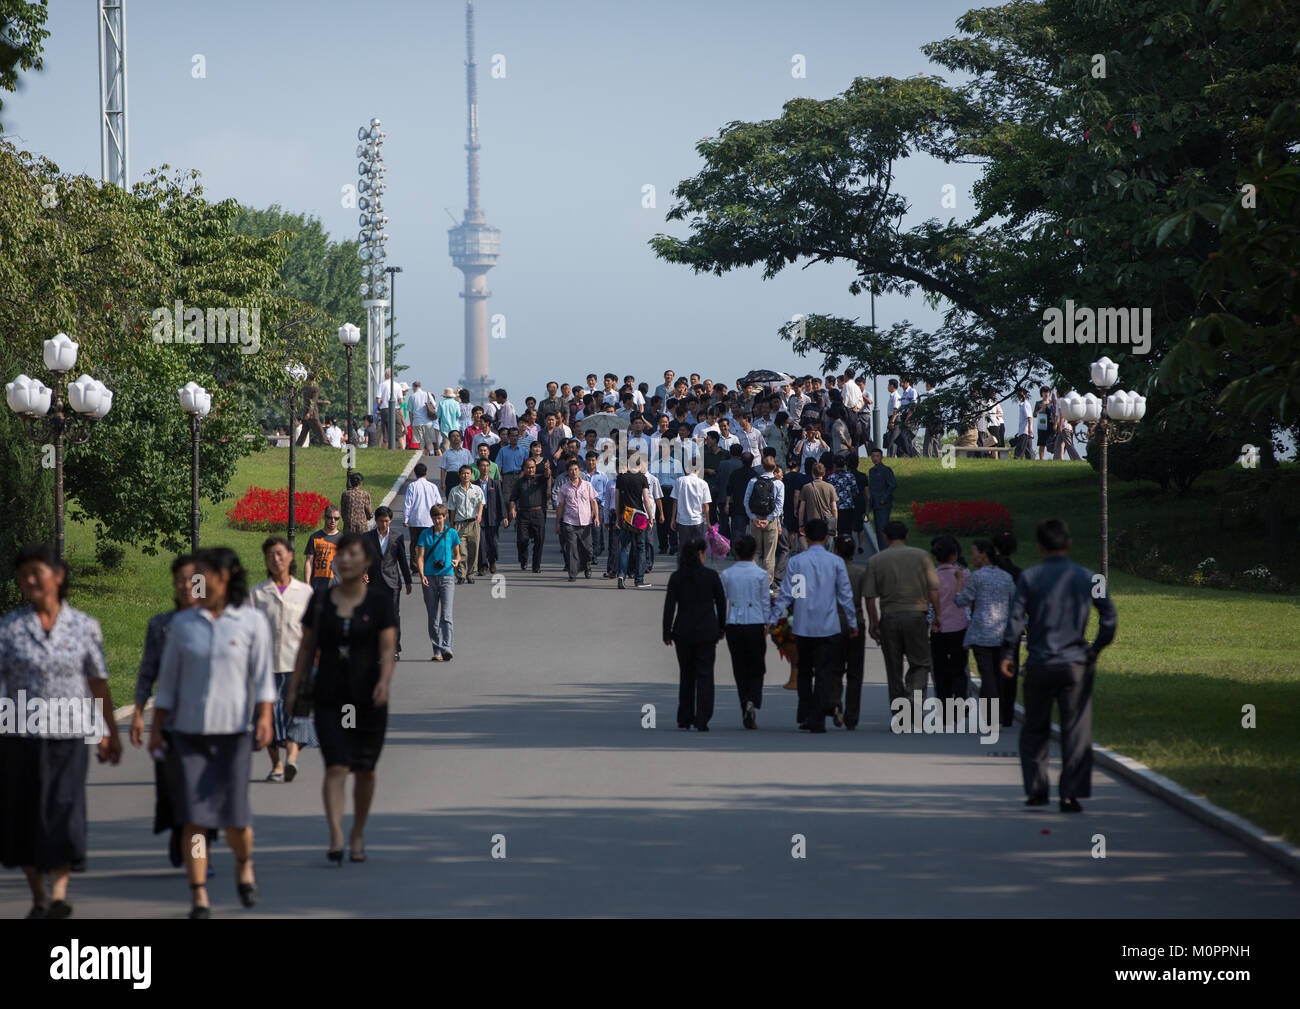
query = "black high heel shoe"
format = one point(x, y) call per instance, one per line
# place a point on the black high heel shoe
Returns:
point(199, 911)
point(247, 891)
point(335, 856)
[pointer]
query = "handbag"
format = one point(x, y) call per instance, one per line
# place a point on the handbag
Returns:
point(303, 699)
point(636, 518)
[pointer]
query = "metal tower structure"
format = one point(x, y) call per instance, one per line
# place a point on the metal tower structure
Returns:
point(474, 244)
point(113, 145)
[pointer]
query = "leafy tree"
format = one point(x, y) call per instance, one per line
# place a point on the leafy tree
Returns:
point(1080, 169)
point(96, 263)
point(22, 33)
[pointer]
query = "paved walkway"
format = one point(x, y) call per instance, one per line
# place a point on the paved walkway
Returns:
point(534, 732)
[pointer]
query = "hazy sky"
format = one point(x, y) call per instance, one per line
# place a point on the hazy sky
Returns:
point(598, 99)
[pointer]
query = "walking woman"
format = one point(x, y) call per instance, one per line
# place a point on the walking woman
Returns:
point(746, 586)
point(988, 592)
point(283, 600)
point(695, 617)
point(165, 805)
point(351, 627)
point(51, 652)
point(215, 692)
point(949, 654)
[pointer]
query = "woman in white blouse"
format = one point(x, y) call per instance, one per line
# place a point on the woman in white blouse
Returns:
point(749, 598)
point(215, 691)
point(283, 599)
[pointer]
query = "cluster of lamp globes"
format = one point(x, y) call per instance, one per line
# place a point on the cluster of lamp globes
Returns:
point(373, 238)
point(31, 397)
point(1119, 405)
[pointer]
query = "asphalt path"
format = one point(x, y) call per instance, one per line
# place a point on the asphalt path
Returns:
point(530, 745)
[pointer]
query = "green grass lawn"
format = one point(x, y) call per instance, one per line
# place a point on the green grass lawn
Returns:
point(124, 599)
point(1170, 690)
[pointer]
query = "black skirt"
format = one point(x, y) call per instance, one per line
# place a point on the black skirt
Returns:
point(42, 801)
point(354, 746)
point(212, 775)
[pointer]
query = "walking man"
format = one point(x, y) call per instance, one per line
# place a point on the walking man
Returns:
point(494, 513)
point(903, 581)
point(882, 484)
point(528, 510)
point(816, 582)
point(577, 511)
point(390, 568)
point(421, 496)
point(1055, 597)
point(764, 504)
point(465, 507)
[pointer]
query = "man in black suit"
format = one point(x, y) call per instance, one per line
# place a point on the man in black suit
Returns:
point(494, 514)
point(390, 568)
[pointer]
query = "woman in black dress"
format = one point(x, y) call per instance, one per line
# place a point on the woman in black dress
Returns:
point(695, 618)
point(349, 634)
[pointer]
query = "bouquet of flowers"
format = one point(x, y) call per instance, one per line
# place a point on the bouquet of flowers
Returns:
point(783, 638)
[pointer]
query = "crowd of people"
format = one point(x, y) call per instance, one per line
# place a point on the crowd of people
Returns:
point(768, 474)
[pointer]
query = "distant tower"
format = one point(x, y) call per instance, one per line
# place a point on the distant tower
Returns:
point(111, 17)
point(474, 244)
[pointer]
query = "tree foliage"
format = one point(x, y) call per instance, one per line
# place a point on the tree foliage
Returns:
point(22, 32)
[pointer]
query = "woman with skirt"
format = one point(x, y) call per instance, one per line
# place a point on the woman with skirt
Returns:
point(695, 615)
point(350, 626)
point(54, 653)
point(746, 586)
point(215, 692)
point(283, 600)
point(165, 804)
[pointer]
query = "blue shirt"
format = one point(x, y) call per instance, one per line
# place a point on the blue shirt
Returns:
point(511, 460)
point(823, 582)
point(1055, 597)
point(882, 483)
point(438, 550)
point(988, 592)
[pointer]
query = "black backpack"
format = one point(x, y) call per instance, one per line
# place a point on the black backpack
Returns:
point(762, 499)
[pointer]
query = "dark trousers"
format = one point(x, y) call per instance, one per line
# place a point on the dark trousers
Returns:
point(820, 662)
point(667, 538)
point(310, 426)
point(855, 660)
point(1007, 688)
point(695, 682)
point(397, 614)
point(783, 540)
point(880, 518)
point(987, 660)
point(1070, 686)
point(933, 442)
point(531, 528)
point(489, 547)
point(576, 541)
point(950, 663)
point(747, 644)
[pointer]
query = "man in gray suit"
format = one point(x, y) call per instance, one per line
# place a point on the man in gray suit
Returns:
point(389, 567)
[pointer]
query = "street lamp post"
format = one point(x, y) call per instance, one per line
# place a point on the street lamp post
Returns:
point(350, 336)
point(31, 399)
point(197, 402)
point(297, 375)
point(1108, 423)
point(392, 272)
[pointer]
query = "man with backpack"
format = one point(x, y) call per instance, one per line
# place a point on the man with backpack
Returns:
point(764, 504)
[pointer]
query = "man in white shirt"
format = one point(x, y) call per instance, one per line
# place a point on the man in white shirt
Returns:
point(849, 391)
point(707, 424)
point(893, 422)
point(1025, 426)
point(417, 406)
point(421, 495)
point(506, 416)
point(334, 434)
point(691, 496)
point(382, 402)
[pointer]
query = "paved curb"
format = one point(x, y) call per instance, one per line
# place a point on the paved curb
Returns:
point(416, 456)
point(1271, 846)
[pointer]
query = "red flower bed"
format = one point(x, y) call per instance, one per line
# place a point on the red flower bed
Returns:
point(268, 510)
point(961, 518)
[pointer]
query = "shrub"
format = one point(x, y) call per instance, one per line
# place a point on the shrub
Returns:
point(109, 554)
point(264, 510)
point(961, 518)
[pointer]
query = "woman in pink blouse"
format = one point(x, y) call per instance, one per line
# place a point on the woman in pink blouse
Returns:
point(948, 653)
